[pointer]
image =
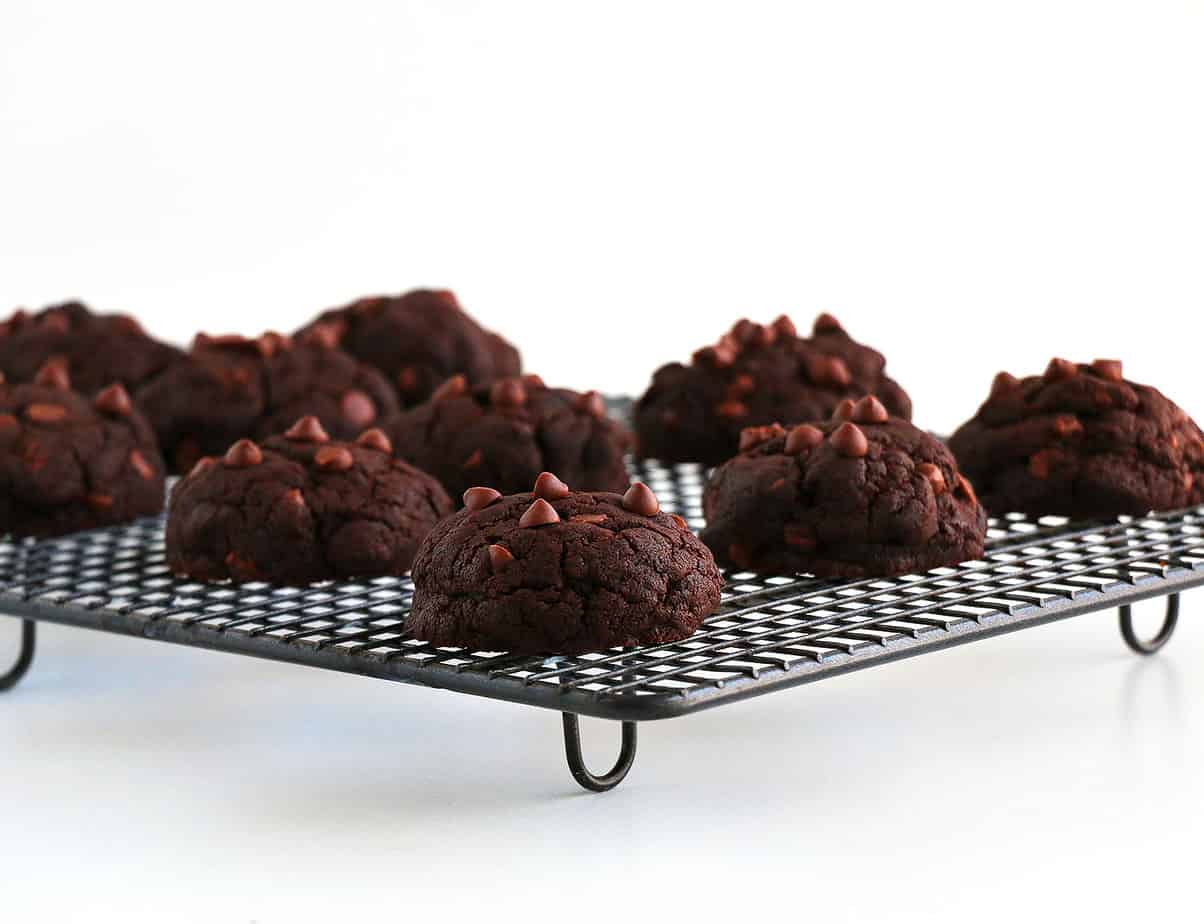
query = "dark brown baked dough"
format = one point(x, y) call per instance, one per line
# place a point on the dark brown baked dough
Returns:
point(860, 495)
point(230, 387)
point(757, 374)
point(505, 434)
point(559, 572)
point(1081, 441)
point(99, 349)
point(70, 463)
point(301, 508)
point(418, 340)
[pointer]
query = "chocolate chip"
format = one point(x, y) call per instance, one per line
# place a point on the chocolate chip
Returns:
point(334, 458)
point(826, 324)
point(1003, 383)
point(407, 379)
point(531, 380)
point(270, 343)
point(591, 403)
point(762, 335)
point(241, 566)
point(499, 557)
point(679, 521)
point(474, 460)
point(828, 370)
point(640, 499)
point(293, 497)
point(374, 439)
point(46, 413)
point(358, 409)
point(203, 464)
point(99, 501)
point(140, 464)
point(755, 436)
point(744, 330)
point(934, 476)
point(1111, 369)
point(870, 410)
point(801, 537)
point(718, 357)
point(802, 438)
point(508, 393)
point(307, 430)
point(242, 454)
point(849, 440)
point(743, 384)
point(549, 487)
point(54, 374)
point(125, 324)
point(55, 322)
point(965, 489)
point(732, 409)
point(1059, 370)
point(540, 513)
point(594, 518)
point(785, 327)
point(113, 400)
point(454, 387)
point(323, 335)
point(479, 498)
point(844, 410)
point(1067, 425)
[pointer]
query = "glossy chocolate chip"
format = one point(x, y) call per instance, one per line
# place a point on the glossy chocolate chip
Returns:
point(374, 439)
point(679, 521)
point(99, 501)
point(593, 518)
point(203, 464)
point(849, 440)
point(479, 498)
point(732, 409)
point(323, 335)
point(549, 487)
point(54, 374)
point(113, 400)
point(640, 499)
point(844, 410)
point(46, 413)
point(751, 437)
point(242, 454)
point(454, 387)
point(826, 324)
point(1067, 425)
point(407, 379)
point(540, 513)
point(334, 458)
point(1111, 369)
point(1060, 369)
point(785, 327)
point(933, 475)
point(357, 408)
point(828, 370)
point(531, 380)
point(965, 489)
point(870, 410)
point(1003, 383)
point(508, 393)
point(591, 403)
point(743, 384)
point(307, 430)
point(474, 460)
point(499, 557)
point(802, 438)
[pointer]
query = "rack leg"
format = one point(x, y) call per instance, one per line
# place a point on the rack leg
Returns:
point(24, 658)
point(572, 750)
point(1149, 646)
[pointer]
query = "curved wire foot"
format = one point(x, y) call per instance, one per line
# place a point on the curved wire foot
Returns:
point(572, 750)
point(1149, 646)
point(24, 659)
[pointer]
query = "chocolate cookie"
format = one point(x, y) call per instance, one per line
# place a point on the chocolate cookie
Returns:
point(99, 349)
point(1081, 441)
point(506, 433)
point(561, 572)
point(862, 495)
point(232, 387)
point(418, 340)
point(68, 462)
point(301, 508)
point(757, 374)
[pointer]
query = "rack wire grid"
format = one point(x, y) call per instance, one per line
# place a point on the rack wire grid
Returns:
point(770, 632)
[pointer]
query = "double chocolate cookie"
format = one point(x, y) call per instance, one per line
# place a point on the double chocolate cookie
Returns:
point(757, 374)
point(561, 572)
point(506, 433)
point(301, 508)
point(98, 349)
point(862, 495)
point(1081, 441)
point(68, 462)
point(232, 387)
point(418, 340)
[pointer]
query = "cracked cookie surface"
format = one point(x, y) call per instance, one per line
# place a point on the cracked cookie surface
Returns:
point(757, 374)
point(231, 387)
point(554, 572)
point(301, 508)
point(860, 495)
point(99, 349)
point(69, 463)
point(505, 434)
point(419, 340)
point(1081, 441)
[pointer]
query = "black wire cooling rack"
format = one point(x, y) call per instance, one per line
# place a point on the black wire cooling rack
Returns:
point(770, 632)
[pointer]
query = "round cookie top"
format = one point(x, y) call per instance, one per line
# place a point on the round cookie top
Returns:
point(1081, 440)
point(757, 374)
point(232, 386)
point(506, 433)
point(560, 571)
point(68, 462)
point(301, 507)
point(863, 493)
point(98, 349)
point(418, 340)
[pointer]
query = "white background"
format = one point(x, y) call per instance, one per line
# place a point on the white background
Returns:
point(969, 187)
